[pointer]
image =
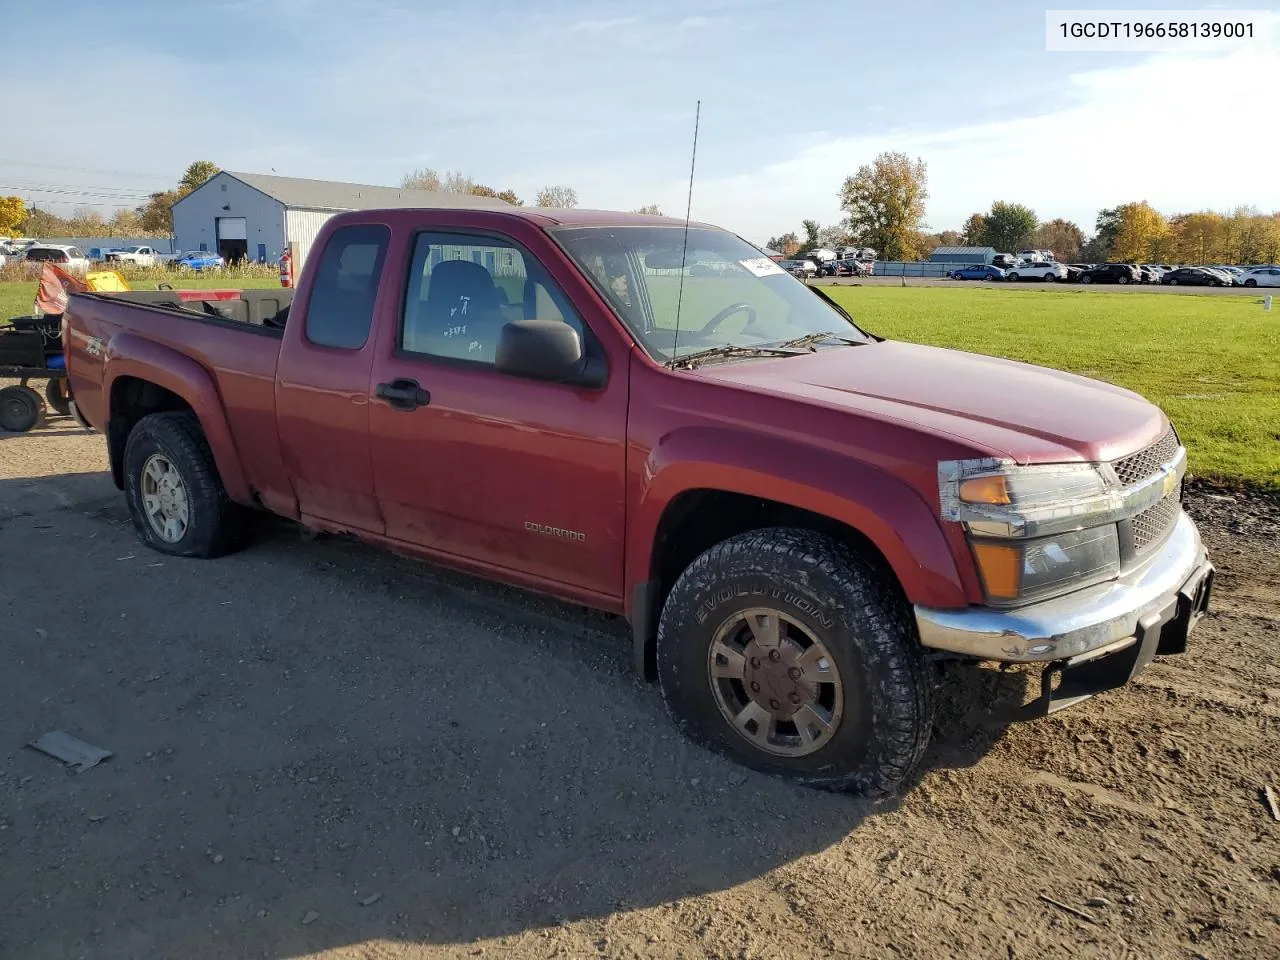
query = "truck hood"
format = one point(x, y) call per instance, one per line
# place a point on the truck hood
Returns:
point(1027, 413)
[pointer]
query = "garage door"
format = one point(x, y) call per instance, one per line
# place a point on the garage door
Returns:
point(232, 228)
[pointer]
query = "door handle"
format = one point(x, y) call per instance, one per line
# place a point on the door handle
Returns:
point(403, 394)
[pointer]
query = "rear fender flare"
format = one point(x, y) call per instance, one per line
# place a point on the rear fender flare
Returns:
point(129, 355)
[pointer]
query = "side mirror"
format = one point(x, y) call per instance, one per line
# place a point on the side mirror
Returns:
point(546, 350)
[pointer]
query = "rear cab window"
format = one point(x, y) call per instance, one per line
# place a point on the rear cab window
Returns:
point(340, 310)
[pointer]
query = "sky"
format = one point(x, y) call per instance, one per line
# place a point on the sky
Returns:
point(600, 95)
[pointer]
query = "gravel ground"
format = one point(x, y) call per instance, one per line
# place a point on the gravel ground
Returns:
point(324, 751)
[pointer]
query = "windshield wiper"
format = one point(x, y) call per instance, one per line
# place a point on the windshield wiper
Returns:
point(809, 339)
point(728, 350)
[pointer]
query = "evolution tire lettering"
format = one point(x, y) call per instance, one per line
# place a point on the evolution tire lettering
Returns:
point(559, 532)
point(803, 604)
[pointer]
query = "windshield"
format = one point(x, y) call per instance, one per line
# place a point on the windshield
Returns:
point(734, 296)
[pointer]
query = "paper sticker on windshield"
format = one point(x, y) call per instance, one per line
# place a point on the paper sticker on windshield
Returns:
point(762, 267)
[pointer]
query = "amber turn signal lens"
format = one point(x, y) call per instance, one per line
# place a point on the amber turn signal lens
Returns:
point(1001, 568)
point(994, 489)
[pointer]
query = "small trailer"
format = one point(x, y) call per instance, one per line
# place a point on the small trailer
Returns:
point(32, 350)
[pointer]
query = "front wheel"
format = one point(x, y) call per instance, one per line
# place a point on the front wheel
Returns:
point(1013, 278)
point(1172, 283)
point(786, 651)
point(57, 395)
point(1122, 280)
point(175, 496)
point(1086, 279)
point(1251, 283)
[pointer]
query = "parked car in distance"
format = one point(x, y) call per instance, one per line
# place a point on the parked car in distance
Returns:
point(793, 596)
point(71, 259)
point(1154, 270)
point(1074, 270)
point(1262, 277)
point(799, 268)
point(1038, 270)
point(1195, 277)
point(1036, 256)
point(138, 256)
point(1004, 260)
point(1111, 273)
point(852, 268)
point(198, 260)
point(1235, 274)
point(977, 271)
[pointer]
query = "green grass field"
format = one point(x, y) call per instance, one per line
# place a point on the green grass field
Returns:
point(1212, 362)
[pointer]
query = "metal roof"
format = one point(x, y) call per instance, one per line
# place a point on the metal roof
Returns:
point(963, 251)
point(332, 195)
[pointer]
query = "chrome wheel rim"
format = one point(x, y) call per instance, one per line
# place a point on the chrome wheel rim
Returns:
point(775, 683)
point(164, 499)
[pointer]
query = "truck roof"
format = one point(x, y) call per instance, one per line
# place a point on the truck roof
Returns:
point(547, 216)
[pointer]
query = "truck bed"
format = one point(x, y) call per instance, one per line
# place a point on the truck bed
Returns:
point(235, 341)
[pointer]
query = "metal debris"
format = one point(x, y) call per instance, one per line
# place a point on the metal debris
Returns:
point(77, 754)
point(1273, 805)
point(1072, 910)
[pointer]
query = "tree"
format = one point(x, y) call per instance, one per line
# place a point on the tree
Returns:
point(974, 231)
point(1141, 233)
point(42, 223)
point(125, 223)
point(480, 190)
point(156, 215)
point(1104, 240)
point(556, 196)
point(197, 174)
point(884, 201)
point(811, 231)
point(833, 237)
point(424, 179)
point(13, 210)
point(1063, 237)
point(652, 209)
point(1009, 226)
point(950, 238)
point(787, 244)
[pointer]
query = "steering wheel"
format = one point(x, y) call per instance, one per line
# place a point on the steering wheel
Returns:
point(712, 324)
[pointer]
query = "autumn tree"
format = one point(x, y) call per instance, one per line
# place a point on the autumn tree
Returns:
point(1141, 233)
point(974, 231)
point(481, 190)
point(833, 236)
point(125, 223)
point(424, 179)
point(787, 244)
point(42, 223)
point(156, 215)
point(884, 203)
point(197, 174)
point(13, 210)
point(1009, 226)
point(1063, 237)
point(650, 209)
point(950, 238)
point(557, 196)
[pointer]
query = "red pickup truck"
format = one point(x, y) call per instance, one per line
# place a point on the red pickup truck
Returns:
point(800, 520)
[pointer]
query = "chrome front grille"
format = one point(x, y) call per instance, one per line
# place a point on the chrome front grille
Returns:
point(1152, 525)
point(1147, 462)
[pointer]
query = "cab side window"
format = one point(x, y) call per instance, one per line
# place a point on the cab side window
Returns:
point(463, 289)
point(340, 312)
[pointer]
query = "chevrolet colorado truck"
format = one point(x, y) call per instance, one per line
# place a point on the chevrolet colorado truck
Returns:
point(799, 519)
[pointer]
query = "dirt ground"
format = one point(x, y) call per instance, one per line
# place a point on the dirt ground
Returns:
point(324, 751)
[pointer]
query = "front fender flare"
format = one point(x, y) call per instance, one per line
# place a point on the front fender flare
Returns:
point(886, 510)
point(129, 355)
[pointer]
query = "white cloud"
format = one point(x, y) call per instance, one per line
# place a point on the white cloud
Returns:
point(1182, 132)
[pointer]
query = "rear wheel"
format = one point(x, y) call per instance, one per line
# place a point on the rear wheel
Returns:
point(1086, 279)
point(1122, 279)
point(1013, 277)
point(782, 649)
point(1172, 283)
point(175, 496)
point(21, 409)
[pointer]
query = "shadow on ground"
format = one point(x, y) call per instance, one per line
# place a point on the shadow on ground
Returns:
point(316, 728)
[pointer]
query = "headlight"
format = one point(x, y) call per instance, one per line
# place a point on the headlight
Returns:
point(1020, 571)
point(999, 499)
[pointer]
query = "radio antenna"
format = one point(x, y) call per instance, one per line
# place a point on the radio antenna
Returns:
point(684, 252)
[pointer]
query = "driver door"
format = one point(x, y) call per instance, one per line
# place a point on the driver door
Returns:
point(522, 477)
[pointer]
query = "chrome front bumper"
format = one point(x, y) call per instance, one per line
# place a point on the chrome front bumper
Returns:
point(1098, 620)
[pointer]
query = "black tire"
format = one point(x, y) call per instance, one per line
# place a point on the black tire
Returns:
point(1251, 282)
point(1085, 278)
point(1122, 279)
point(215, 525)
point(887, 706)
point(1013, 278)
point(21, 409)
point(54, 397)
point(1172, 283)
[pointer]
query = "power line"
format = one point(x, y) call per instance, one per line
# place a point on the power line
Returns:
point(29, 184)
point(55, 166)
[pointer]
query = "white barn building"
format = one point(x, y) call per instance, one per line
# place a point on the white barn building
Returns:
point(256, 216)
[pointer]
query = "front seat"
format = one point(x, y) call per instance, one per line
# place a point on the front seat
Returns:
point(462, 314)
